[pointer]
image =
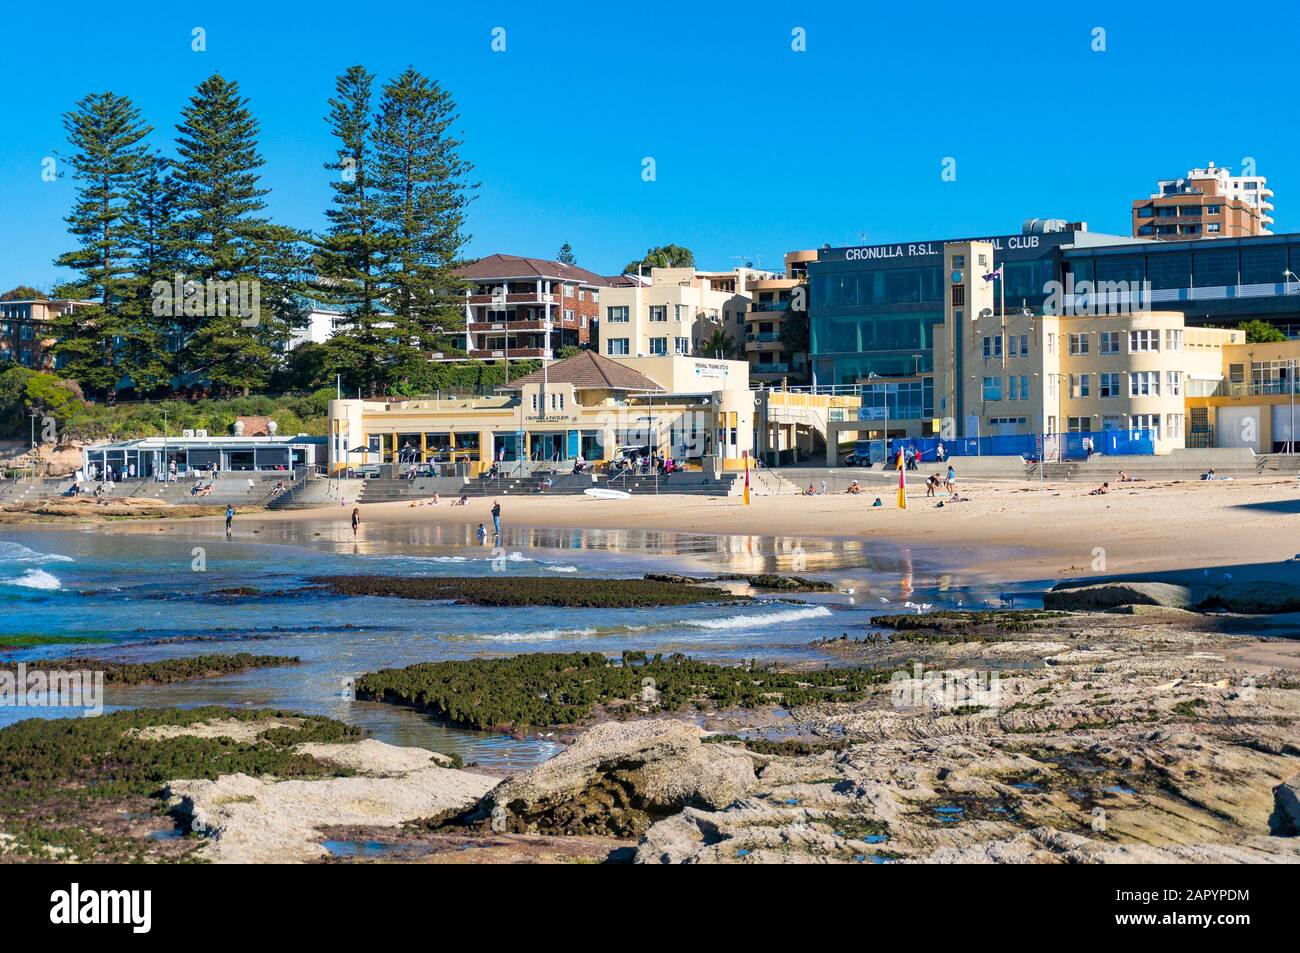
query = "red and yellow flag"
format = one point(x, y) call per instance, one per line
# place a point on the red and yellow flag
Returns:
point(746, 477)
point(902, 482)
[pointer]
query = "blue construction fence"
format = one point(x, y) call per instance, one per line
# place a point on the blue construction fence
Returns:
point(1032, 447)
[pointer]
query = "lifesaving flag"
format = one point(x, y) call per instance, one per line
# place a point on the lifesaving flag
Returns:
point(746, 477)
point(902, 482)
point(995, 273)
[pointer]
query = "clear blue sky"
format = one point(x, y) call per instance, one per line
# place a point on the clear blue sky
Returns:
point(759, 149)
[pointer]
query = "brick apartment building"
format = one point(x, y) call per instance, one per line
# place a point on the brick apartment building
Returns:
point(511, 299)
point(26, 331)
point(1206, 203)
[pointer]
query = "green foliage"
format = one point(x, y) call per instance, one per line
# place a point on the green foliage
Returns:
point(422, 378)
point(526, 590)
point(546, 689)
point(662, 256)
point(720, 344)
point(565, 255)
point(1261, 332)
point(86, 421)
point(24, 293)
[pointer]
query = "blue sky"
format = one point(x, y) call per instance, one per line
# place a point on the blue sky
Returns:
point(758, 149)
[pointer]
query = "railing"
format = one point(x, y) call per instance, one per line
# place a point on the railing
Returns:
point(765, 337)
point(770, 305)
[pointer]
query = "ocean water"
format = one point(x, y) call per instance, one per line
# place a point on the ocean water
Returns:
point(148, 591)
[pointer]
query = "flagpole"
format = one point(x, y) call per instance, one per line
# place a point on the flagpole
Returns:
point(746, 456)
point(902, 482)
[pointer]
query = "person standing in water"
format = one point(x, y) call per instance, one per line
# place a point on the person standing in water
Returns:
point(496, 519)
point(230, 516)
point(356, 521)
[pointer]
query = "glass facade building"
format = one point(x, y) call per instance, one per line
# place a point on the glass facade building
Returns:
point(872, 309)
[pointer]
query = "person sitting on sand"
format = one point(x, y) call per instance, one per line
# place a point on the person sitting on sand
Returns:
point(1100, 491)
point(877, 503)
point(1124, 477)
point(811, 491)
point(854, 489)
point(462, 501)
point(1208, 475)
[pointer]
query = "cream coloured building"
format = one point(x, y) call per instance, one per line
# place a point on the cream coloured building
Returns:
point(674, 311)
point(698, 411)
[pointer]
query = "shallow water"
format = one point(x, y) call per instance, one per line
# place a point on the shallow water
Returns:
point(148, 592)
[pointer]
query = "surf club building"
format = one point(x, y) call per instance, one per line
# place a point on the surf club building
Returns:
point(699, 411)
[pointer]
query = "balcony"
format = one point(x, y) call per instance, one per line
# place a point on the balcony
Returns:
point(770, 305)
point(515, 327)
point(531, 297)
point(759, 369)
point(516, 353)
point(763, 337)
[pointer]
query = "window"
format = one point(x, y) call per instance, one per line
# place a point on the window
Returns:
point(1018, 387)
point(1020, 345)
point(1147, 422)
point(1051, 342)
point(1079, 385)
point(1174, 383)
point(1109, 342)
point(616, 346)
point(658, 312)
point(1173, 339)
point(582, 294)
point(1051, 387)
point(1144, 340)
point(993, 346)
point(1144, 384)
point(658, 346)
point(992, 388)
point(1108, 384)
point(1173, 425)
point(1110, 423)
point(568, 314)
point(582, 322)
point(680, 312)
point(617, 315)
point(959, 296)
point(557, 400)
point(682, 345)
point(959, 261)
point(1078, 424)
point(1079, 343)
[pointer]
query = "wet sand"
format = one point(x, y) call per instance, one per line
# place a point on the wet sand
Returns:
point(1014, 531)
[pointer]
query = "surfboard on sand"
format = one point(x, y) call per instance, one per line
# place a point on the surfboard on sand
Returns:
point(600, 493)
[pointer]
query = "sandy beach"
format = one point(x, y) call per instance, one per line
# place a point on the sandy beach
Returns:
point(1057, 531)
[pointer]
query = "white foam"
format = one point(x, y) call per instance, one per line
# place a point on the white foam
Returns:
point(562, 568)
point(11, 552)
point(35, 579)
point(759, 620)
point(541, 635)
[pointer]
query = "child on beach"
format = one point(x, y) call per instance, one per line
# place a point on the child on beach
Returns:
point(482, 534)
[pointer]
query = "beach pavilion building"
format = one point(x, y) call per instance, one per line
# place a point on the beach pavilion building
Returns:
point(696, 410)
point(195, 452)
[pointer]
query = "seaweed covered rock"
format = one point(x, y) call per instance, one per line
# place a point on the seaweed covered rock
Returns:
point(500, 590)
point(618, 779)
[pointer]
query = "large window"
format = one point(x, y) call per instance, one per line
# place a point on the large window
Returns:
point(1265, 265)
point(1144, 340)
point(1169, 270)
point(1079, 385)
point(1144, 384)
point(1079, 343)
point(616, 346)
point(1109, 342)
point(658, 346)
point(617, 315)
point(658, 312)
point(992, 388)
point(1108, 384)
point(1213, 268)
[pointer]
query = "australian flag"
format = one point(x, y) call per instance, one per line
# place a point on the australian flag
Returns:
point(995, 273)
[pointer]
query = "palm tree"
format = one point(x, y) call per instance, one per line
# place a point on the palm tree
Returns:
point(719, 344)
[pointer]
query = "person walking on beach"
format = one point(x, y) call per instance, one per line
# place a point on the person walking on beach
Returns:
point(496, 519)
point(230, 516)
point(482, 534)
point(356, 521)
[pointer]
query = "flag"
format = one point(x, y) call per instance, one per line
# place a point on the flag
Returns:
point(902, 482)
point(995, 273)
point(746, 477)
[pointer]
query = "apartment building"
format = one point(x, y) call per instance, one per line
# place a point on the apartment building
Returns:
point(675, 311)
point(520, 308)
point(27, 333)
point(1206, 203)
point(775, 303)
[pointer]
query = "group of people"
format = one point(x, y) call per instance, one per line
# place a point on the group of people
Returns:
point(936, 482)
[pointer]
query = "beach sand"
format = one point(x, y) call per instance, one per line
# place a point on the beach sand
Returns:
point(1058, 531)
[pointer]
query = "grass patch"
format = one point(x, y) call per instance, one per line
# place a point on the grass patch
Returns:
point(553, 689)
point(528, 591)
point(28, 640)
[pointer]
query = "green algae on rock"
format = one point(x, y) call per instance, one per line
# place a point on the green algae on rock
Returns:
point(528, 591)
